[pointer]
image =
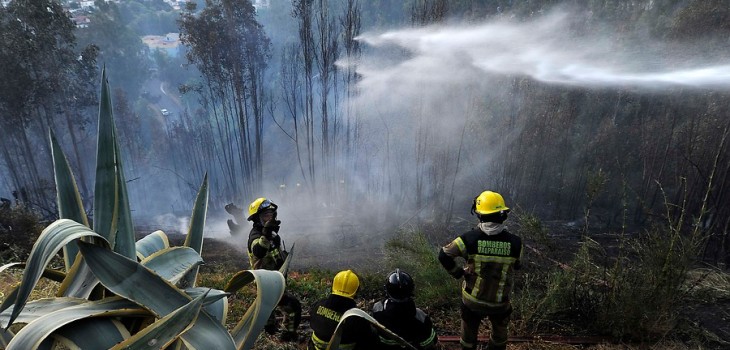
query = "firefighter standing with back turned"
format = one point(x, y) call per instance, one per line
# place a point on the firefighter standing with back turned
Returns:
point(265, 252)
point(492, 254)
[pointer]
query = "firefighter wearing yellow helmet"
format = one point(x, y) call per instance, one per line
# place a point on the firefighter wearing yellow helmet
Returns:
point(492, 254)
point(325, 315)
point(266, 251)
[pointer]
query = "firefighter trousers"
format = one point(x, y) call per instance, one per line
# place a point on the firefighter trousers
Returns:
point(292, 310)
point(472, 317)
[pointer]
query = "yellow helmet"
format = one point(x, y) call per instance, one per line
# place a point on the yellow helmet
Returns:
point(345, 284)
point(488, 202)
point(258, 205)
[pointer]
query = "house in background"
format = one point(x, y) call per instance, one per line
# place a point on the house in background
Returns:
point(81, 21)
point(169, 43)
point(261, 4)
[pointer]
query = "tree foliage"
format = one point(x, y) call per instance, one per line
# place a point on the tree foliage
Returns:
point(45, 82)
point(230, 49)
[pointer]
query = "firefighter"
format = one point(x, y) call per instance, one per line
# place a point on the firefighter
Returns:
point(398, 313)
point(265, 251)
point(492, 254)
point(325, 315)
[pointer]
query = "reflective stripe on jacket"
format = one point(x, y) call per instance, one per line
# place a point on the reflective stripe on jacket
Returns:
point(263, 253)
point(490, 264)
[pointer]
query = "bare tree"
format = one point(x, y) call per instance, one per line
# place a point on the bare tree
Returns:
point(303, 12)
point(230, 49)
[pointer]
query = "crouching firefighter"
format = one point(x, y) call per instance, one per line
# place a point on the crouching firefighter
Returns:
point(326, 314)
point(266, 251)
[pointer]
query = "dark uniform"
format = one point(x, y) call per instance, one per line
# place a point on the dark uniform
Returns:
point(264, 253)
point(407, 321)
point(488, 278)
point(326, 314)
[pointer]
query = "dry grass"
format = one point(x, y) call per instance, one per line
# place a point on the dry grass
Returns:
point(447, 321)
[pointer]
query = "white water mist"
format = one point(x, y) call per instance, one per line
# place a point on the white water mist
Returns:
point(549, 49)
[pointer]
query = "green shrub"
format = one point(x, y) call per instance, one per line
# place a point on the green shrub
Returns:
point(635, 296)
point(412, 252)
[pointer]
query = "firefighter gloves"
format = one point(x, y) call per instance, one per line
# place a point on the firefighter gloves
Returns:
point(270, 227)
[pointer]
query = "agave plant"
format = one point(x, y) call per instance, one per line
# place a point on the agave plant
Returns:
point(115, 292)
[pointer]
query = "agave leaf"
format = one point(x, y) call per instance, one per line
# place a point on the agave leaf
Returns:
point(270, 286)
point(194, 238)
point(38, 308)
point(355, 312)
point(51, 240)
point(7, 266)
point(284, 269)
point(5, 337)
point(53, 275)
point(173, 263)
point(30, 336)
point(91, 333)
point(151, 243)
point(128, 278)
point(215, 305)
point(124, 242)
point(166, 330)
point(80, 282)
point(105, 186)
point(67, 198)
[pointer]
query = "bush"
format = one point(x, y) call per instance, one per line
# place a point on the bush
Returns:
point(19, 228)
point(633, 296)
point(412, 252)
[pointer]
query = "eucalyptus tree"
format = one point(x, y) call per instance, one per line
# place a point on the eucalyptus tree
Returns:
point(303, 12)
point(327, 52)
point(230, 49)
point(120, 49)
point(350, 22)
point(44, 82)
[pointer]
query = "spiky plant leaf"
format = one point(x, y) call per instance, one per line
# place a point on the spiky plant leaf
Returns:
point(9, 265)
point(79, 282)
point(51, 240)
point(217, 308)
point(173, 263)
point(354, 312)
point(151, 243)
point(167, 329)
point(270, 286)
point(124, 241)
point(38, 308)
point(128, 278)
point(51, 274)
point(5, 337)
point(91, 333)
point(67, 198)
point(194, 238)
point(105, 186)
point(30, 336)
point(284, 269)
